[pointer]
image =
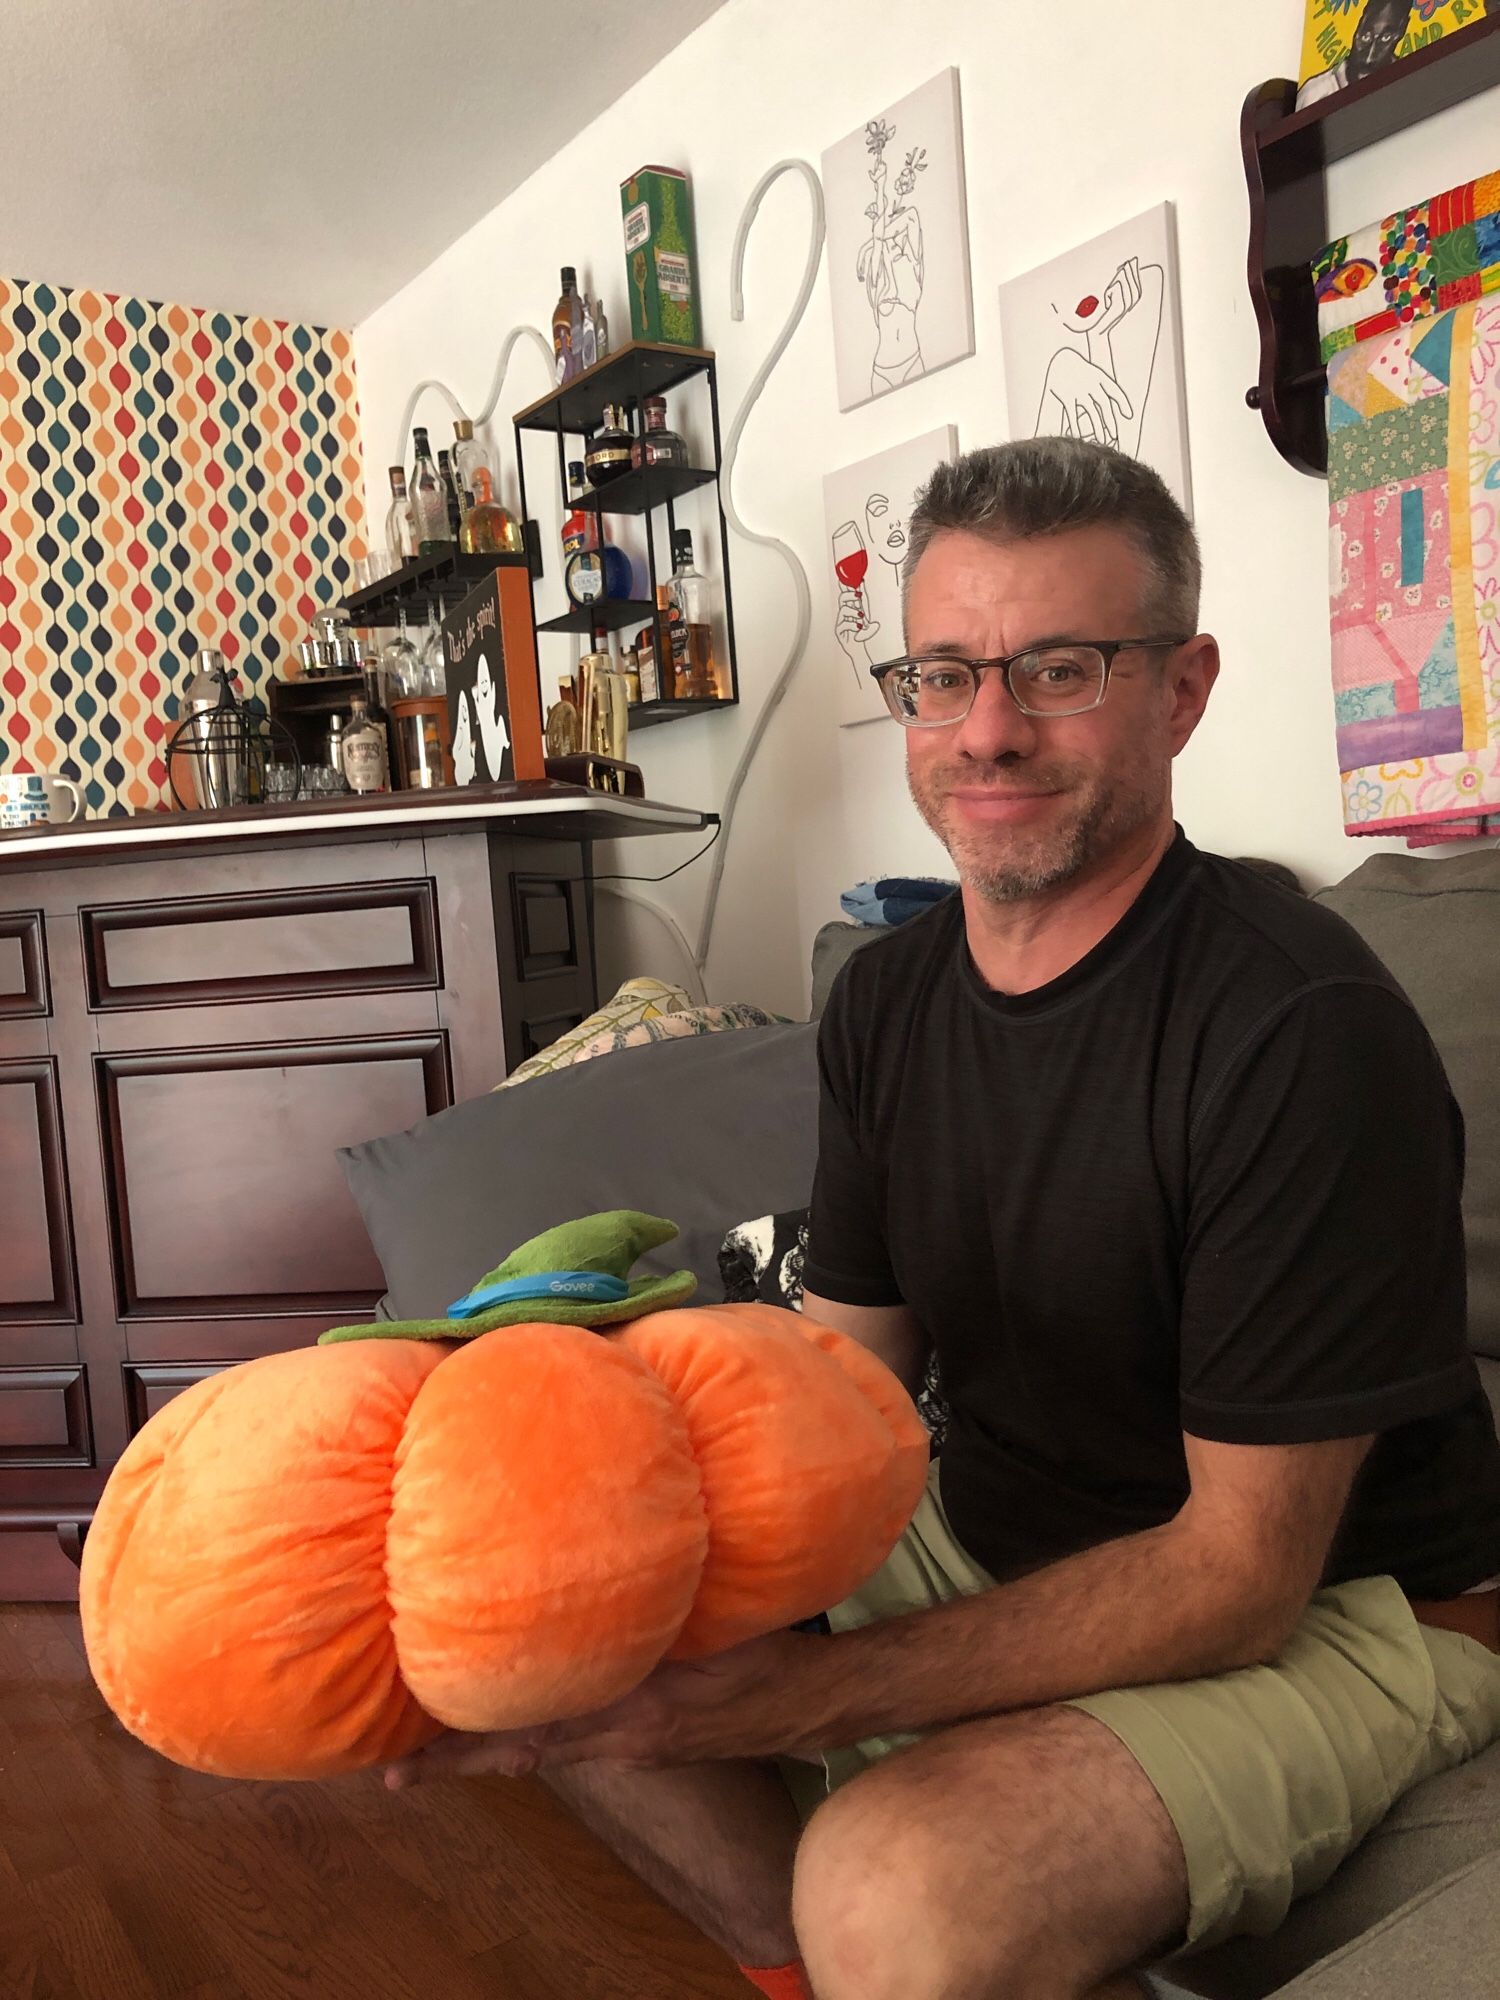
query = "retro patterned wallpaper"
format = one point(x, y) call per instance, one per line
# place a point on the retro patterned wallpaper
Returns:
point(169, 478)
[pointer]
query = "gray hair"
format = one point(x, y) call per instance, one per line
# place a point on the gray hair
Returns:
point(1049, 485)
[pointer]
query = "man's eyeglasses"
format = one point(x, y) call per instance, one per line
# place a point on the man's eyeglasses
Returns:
point(932, 690)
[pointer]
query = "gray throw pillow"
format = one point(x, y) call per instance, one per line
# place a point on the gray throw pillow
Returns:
point(705, 1131)
point(1436, 925)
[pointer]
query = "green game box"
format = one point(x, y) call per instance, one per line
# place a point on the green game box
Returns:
point(660, 257)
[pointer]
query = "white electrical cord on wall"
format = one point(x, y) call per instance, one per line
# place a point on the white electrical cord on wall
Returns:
point(698, 958)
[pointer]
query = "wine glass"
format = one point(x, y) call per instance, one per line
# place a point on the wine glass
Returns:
point(851, 561)
point(434, 664)
point(402, 664)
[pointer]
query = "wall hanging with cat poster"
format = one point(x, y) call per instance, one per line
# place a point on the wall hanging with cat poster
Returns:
point(1347, 40)
point(494, 704)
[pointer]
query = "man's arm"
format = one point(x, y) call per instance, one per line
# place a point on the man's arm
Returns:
point(1222, 1585)
point(892, 1333)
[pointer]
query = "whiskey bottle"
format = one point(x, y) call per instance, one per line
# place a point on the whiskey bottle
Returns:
point(567, 327)
point(580, 529)
point(687, 594)
point(363, 752)
point(608, 452)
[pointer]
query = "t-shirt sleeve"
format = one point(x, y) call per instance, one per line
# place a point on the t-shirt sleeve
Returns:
point(847, 1258)
point(1323, 1273)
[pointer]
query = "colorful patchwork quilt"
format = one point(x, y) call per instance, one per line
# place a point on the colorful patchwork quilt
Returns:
point(1409, 316)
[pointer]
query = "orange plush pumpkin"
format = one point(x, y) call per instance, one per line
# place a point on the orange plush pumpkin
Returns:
point(310, 1562)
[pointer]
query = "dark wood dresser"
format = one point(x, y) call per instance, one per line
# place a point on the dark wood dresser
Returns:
point(195, 1012)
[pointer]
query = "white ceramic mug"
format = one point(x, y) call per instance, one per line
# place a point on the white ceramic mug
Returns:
point(29, 797)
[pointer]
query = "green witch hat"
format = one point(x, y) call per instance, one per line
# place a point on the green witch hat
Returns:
point(575, 1275)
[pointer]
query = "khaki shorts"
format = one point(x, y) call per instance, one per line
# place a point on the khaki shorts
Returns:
point(1272, 1775)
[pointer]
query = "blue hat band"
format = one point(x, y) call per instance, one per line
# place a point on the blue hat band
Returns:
point(593, 1288)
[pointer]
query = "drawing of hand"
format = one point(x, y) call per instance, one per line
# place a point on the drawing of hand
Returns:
point(853, 627)
point(1122, 295)
point(1080, 400)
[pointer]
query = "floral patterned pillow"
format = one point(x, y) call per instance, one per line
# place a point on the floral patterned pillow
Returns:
point(638, 1001)
point(684, 1021)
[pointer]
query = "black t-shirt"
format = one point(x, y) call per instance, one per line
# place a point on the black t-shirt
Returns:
point(1207, 1180)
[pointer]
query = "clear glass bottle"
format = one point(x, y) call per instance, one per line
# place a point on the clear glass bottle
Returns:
point(687, 595)
point(434, 660)
point(429, 500)
point(608, 453)
point(567, 327)
point(364, 752)
point(489, 528)
point(657, 445)
point(601, 330)
point(588, 352)
point(399, 539)
point(468, 454)
point(451, 495)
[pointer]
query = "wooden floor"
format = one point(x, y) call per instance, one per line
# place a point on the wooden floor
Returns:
point(124, 1878)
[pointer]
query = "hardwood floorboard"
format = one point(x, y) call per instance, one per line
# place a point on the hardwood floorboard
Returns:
point(125, 1878)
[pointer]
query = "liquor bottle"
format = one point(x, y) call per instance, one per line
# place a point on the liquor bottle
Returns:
point(567, 325)
point(601, 330)
point(453, 499)
point(657, 445)
point(468, 455)
point(381, 717)
point(687, 594)
point(429, 500)
point(398, 531)
point(670, 646)
point(363, 752)
point(645, 667)
point(608, 452)
point(606, 720)
point(588, 352)
point(580, 528)
point(489, 528)
point(630, 673)
point(590, 574)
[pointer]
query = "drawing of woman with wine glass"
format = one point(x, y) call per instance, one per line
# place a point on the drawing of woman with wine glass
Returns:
point(891, 264)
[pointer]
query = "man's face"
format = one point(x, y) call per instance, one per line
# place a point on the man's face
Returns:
point(1377, 36)
point(1025, 804)
point(885, 528)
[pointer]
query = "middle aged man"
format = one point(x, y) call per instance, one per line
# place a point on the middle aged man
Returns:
point(1161, 1164)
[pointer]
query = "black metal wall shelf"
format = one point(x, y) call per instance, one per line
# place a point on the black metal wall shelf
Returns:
point(1286, 155)
point(444, 580)
point(627, 377)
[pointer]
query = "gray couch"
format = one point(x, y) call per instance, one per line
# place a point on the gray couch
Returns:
point(719, 1129)
point(1417, 1910)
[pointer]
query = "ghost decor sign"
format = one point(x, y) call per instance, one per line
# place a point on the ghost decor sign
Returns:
point(494, 704)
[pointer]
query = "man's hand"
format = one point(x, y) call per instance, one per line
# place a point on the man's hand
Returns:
point(759, 1700)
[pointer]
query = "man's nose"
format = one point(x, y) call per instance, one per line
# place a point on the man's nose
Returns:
point(994, 727)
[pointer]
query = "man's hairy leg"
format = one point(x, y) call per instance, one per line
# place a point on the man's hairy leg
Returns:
point(716, 1841)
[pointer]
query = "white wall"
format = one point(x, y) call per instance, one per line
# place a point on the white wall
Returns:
point(1075, 117)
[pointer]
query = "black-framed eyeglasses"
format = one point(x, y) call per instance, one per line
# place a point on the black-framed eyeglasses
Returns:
point(930, 691)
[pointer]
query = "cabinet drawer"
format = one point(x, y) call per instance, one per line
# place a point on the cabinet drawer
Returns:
point(23, 964)
point(151, 1385)
point(285, 944)
point(44, 1417)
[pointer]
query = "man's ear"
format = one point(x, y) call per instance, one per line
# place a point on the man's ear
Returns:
point(1191, 673)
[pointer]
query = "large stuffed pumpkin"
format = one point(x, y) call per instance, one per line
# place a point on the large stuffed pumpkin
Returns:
point(311, 1562)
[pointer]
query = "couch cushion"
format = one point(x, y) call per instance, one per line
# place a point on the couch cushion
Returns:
point(1436, 924)
point(704, 1131)
point(1441, 1942)
point(834, 944)
point(1438, 1827)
